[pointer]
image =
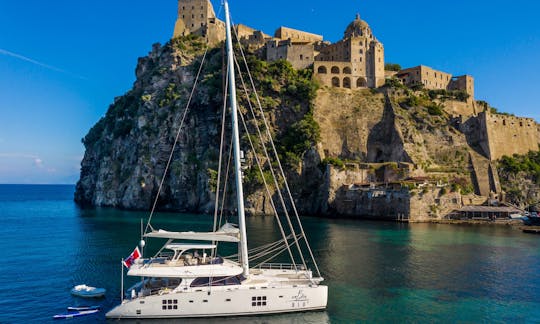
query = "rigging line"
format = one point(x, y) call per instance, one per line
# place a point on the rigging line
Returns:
point(261, 170)
point(279, 163)
point(218, 184)
point(221, 147)
point(225, 184)
point(272, 170)
point(262, 247)
point(148, 225)
point(268, 251)
point(269, 259)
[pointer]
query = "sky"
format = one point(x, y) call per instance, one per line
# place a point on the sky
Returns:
point(62, 62)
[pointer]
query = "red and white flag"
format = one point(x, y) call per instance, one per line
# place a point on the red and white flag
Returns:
point(132, 257)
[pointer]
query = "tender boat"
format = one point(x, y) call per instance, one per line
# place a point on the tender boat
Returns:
point(88, 292)
point(76, 314)
point(186, 279)
point(82, 308)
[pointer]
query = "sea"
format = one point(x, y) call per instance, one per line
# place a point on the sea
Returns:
point(376, 271)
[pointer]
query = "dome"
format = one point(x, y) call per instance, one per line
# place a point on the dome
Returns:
point(358, 28)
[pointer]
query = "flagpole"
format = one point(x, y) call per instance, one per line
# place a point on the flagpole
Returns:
point(122, 281)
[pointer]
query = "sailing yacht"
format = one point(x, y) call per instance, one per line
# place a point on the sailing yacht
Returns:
point(187, 278)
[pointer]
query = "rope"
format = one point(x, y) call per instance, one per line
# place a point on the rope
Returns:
point(218, 184)
point(261, 170)
point(279, 164)
point(148, 224)
point(272, 171)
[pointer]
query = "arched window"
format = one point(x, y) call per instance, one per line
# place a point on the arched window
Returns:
point(335, 82)
point(347, 70)
point(361, 83)
point(347, 82)
point(335, 70)
point(322, 70)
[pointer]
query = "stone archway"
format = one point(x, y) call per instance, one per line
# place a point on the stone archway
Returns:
point(322, 70)
point(347, 82)
point(335, 82)
point(347, 70)
point(335, 70)
point(361, 83)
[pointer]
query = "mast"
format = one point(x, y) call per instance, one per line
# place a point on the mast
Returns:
point(243, 251)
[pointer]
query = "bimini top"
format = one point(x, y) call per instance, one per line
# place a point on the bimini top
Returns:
point(185, 247)
point(227, 233)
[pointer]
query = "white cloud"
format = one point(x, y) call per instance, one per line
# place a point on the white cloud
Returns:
point(38, 163)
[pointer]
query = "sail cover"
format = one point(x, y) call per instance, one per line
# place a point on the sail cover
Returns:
point(227, 233)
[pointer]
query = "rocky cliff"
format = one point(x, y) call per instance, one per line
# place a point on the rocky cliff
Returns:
point(128, 149)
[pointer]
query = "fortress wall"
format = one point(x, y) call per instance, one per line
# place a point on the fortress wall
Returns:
point(459, 108)
point(464, 82)
point(430, 78)
point(538, 136)
point(508, 135)
point(300, 56)
point(251, 38)
point(297, 36)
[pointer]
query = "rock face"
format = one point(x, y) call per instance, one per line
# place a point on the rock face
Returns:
point(128, 150)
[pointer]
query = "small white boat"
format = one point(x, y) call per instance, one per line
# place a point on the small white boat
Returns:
point(82, 308)
point(516, 216)
point(76, 314)
point(87, 291)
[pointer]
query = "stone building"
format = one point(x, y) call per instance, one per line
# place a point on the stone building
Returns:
point(251, 38)
point(506, 135)
point(198, 17)
point(436, 80)
point(356, 61)
point(297, 47)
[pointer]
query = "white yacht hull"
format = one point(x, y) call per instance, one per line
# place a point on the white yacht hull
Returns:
point(224, 301)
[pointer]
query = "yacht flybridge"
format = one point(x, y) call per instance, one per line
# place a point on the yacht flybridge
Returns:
point(187, 278)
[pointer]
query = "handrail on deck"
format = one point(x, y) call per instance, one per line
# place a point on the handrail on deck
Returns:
point(279, 266)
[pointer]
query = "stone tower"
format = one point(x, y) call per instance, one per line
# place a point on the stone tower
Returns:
point(197, 17)
point(356, 61)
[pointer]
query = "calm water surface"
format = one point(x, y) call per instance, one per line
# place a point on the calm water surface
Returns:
point(376, 272)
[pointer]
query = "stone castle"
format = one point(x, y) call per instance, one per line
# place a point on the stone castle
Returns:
point(357, 62)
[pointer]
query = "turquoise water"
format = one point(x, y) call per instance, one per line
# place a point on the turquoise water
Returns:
point(376, 272)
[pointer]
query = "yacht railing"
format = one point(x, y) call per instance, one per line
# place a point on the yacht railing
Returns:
point(279, 266)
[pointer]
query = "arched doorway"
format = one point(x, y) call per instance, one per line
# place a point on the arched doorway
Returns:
point(347, 82)
point(361, 83)
point(335, 82)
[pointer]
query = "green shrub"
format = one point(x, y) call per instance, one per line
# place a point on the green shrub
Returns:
point(393, 83)
point(412, 101)
point(392, 67)
point(337, 162)
point(435, 109)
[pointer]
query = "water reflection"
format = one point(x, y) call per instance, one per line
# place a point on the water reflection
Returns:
point(293, 318)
